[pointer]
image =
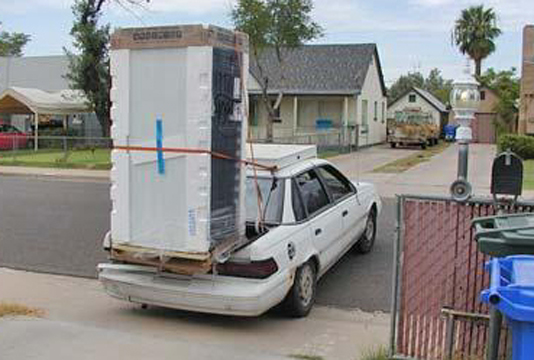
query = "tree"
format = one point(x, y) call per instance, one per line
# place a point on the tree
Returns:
point(475, 32)
point(404, 83)
point(89, 69)
point(433, 83)
point(505, 84)
point(278, 25)
point(11, 44)
point(438, 86)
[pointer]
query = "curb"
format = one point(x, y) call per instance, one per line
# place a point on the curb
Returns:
point(55, 173)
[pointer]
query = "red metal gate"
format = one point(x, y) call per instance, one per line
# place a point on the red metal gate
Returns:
point(438, 266)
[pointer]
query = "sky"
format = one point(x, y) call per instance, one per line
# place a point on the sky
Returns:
point(412, 35)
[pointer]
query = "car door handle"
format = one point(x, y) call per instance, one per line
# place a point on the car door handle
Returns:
point(318, 232)
point(345, 213)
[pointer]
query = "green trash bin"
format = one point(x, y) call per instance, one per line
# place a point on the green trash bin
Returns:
point(504, 235)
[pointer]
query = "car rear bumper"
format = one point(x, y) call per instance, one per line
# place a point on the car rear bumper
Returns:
point(203, 293)
point(405, 140)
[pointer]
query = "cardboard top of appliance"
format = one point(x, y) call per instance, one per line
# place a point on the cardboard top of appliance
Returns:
point(178, 36)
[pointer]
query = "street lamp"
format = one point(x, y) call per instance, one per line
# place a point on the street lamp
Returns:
point(465, 99)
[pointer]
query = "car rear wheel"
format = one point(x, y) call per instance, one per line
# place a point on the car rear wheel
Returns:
point(423, 145)
point(367, 240)
point(393, 145)
point(301, 297)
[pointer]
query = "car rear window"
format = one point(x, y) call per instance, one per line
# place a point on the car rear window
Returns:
point(271, 192)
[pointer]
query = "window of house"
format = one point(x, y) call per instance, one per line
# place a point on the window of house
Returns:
point(312, 191)
point(365, 112)
point(253, 113)
point(482, 95)
point(376, 111)
point(277, 118)
point(411, 98)
point(383, 112)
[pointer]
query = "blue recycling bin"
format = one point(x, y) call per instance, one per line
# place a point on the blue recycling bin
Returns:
point(450, 132)
point(511, 291)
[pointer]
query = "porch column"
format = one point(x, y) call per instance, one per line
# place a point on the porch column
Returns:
point(36, 133)
point(345, 119)
point(295, 114)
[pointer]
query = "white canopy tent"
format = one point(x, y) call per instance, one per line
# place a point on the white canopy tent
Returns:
point(18, 100)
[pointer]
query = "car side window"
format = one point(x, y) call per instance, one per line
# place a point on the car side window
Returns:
point(337, 184)
point(296, 202)
point(313, 193)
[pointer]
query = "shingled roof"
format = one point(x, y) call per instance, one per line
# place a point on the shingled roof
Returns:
point(319, 69)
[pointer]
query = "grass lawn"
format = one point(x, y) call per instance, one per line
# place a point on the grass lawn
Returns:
point(328, 154)
point(528, 174)
point(408, 162)
point(76, 159)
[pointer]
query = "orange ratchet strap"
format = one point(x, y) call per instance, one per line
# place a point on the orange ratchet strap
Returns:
point(194, 151)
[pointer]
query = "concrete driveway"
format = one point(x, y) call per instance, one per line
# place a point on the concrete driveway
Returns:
point(431, 178)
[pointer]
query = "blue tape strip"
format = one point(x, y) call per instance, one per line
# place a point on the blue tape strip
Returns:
point(159, 146)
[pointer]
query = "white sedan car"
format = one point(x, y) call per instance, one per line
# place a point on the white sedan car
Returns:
point(313, 215)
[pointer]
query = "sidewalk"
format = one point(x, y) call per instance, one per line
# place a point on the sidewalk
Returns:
point(433, 177)
point(84, 323)
point(366, 160)
point(55, 172)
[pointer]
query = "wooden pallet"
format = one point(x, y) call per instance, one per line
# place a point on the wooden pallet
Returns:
point(172, 261)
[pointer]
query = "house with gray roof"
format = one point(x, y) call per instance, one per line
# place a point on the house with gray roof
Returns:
point(419, 100)
point(324, 89)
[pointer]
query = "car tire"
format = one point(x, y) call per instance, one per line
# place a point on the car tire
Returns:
point(393, 145)
point(300, 299)
point(367, 240)
point(423, 146)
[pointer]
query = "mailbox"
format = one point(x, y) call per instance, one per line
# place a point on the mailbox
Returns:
point(507, 174)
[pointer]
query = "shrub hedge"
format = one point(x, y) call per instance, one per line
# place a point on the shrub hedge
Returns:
point(522, 145)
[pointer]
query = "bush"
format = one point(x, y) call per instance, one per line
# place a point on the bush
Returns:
point(522, 145)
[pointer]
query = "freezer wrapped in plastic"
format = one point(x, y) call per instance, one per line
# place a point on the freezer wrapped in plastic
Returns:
point(178, 101)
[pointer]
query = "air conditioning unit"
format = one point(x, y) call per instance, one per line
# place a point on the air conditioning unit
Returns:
point(178, 99)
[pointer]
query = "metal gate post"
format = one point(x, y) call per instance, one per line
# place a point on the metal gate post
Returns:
point(396, 280)
point(449, 337)
point(494, 334)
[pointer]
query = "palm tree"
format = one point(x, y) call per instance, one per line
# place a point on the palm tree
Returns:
point(475, 32)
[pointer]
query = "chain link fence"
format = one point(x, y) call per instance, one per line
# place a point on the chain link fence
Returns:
point(439, 274)
point(328, 141)
point(55, 151)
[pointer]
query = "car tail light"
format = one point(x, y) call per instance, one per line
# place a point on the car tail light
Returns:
point(254, 269)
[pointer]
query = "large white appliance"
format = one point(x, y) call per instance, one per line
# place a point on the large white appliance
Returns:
point(179, 88)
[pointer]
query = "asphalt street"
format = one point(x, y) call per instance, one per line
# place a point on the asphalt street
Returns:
point(57, 225)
